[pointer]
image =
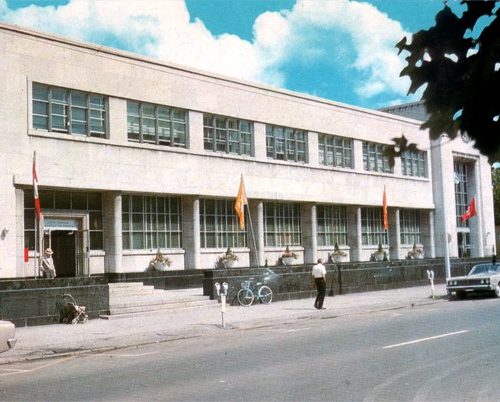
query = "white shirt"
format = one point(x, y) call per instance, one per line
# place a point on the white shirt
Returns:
point(319, 271)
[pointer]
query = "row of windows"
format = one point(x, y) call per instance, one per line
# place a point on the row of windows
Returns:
point(150, 222)
point(73, 112)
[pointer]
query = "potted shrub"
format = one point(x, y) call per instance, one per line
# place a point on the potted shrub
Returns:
point(380, 254)
point(159, 262)
point(338, 255)
point(417, 253)
point(228, 259)
point(288, 257)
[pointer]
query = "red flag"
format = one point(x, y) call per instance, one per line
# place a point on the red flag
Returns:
point(384, 211)
point(239, 204)
point(471, 210)
point(38, 210)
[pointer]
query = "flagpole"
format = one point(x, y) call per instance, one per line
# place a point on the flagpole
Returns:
point(253, 235)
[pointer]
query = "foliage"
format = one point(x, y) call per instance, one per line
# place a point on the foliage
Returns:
point(337, 251)
point(462, 74)
point(227, 256)
point(289, 254)
point(159, 258)
point(416, 252)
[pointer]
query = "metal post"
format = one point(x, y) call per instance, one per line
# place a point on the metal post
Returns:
point(222, 294)
point(445, 218)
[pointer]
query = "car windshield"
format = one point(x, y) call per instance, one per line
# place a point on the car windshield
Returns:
point(485, 269)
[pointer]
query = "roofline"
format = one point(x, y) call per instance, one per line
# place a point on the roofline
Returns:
point(185, 69)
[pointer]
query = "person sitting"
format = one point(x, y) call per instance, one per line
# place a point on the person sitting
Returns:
point(48, 268)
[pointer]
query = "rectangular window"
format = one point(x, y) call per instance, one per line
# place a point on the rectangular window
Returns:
point(69, 111)
point(414, 163)
point(332, 225)
point(282, 225)
point(372, 227)
point(374, 159)
point(409, 222)
point(53, 201)
point(228, 135)
point(461, 173)
point(335, 151)
point(219, 226)
point(155, 124)
point(150, 222)
point(286, 144)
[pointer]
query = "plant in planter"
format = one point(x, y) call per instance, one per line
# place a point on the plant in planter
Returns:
point(159, 262)
point(288, 257)
point(417, 253)
point(380, 254)
point(228, 259)
point(338, 255)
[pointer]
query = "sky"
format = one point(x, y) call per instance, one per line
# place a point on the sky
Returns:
point(342, 50)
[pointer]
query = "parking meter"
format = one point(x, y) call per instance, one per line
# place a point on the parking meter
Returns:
point(430, 275)
point(222, 293)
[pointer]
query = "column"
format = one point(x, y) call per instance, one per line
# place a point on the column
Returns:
point(113, 233)
point(476, 227)
point(354, 239)
point(427, 233)
point(191, 232)
point(256, 239)
point(309, 233)
point(394, 235)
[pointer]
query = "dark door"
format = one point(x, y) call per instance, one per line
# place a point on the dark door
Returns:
point(64, 247)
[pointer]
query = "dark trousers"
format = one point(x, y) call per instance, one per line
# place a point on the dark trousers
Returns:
point(321, 288)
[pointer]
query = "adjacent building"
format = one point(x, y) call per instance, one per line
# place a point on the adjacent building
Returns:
point(134, 155)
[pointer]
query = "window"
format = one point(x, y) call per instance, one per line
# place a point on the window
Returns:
point(409, 222)
point(374, 159)
point(335, 151)
point(156, 124)
point(286, 144)
point(150, 222)
point(372, 227)
point(90, 203)
point(68, 111)
point(414, 163)
point(332, 225)
point(225, 134)
point(282, 224)
point(219, 226)
point(461, 173)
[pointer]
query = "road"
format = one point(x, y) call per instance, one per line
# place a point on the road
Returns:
point(441, 352)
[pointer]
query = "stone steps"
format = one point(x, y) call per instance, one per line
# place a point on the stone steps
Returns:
point(131, 298)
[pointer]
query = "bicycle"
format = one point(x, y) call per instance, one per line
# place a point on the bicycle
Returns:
point(249, 289)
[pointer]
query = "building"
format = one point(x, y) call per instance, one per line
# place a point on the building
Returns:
point(135, 155)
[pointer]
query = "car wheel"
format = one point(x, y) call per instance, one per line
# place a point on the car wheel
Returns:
point(497, 290)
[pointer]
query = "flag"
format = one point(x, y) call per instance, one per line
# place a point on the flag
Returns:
point(384, 211)
point(471, 210)
point(38, 210)
point(239, 204)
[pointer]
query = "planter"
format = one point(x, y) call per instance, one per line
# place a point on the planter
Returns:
point(160, 266)
point(288, 260)
point(378, 256)
point(230, 263)
point(338, 258)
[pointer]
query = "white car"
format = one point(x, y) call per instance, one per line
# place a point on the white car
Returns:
point(7, 335)
point(481, 278)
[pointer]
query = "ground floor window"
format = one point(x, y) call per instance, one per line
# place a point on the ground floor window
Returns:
point(75, 201)
point(282, 224)
point(372, 227)
point(150, 222)
point(332, 225)
point(409, 222)
point(219, 227)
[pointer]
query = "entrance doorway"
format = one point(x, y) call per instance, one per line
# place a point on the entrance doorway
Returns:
point(63, 243)
point(464, 247)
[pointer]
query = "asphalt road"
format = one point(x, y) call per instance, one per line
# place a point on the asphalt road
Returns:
point(442, 352)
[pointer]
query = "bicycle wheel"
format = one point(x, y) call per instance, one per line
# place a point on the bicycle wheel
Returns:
point(265, 294)
point(245, 297)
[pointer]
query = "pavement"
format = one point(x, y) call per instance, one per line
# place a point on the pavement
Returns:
point(99, 335)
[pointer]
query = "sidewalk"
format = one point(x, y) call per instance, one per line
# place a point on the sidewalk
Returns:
point(99, 335)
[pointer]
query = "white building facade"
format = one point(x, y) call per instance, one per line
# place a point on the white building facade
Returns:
point(135, 155)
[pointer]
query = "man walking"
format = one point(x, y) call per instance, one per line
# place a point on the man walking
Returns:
point(319, 278)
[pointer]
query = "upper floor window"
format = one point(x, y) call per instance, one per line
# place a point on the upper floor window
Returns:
point(461, 173)
point(225, 134)
point(335, 151)
point(374, 159)
point(69, 111)
point(414, 163)
point(409, 222)
point(286, 144)
point(156, 124)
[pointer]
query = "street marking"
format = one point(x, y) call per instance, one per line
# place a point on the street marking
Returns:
point(21, 371)
point(425, 339)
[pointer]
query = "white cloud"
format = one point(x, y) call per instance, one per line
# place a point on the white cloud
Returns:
point(162, 29)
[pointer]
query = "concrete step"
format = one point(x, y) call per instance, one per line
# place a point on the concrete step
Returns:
point(129, 289)
point(151, 300)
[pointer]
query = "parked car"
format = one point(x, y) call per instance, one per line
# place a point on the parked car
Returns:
point(481, 278)
point(7, 335)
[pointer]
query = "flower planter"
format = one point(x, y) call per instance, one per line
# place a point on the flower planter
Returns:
point(338, 258)
point(287, 260)
point(379, 257)
point(160, 266)
point(230, 263)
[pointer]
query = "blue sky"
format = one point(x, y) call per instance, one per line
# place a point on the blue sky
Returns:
point(336, 49)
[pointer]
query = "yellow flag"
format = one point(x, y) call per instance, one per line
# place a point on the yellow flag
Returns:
point(239, 204)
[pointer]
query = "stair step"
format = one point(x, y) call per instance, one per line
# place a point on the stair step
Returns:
point(134, 310)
